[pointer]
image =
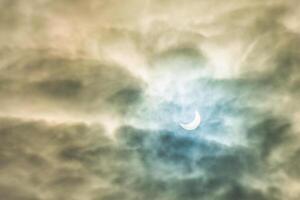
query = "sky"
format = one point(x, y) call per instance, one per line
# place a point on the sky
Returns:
point(92, 94)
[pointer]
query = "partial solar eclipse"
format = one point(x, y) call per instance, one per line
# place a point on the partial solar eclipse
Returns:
point(193, 124)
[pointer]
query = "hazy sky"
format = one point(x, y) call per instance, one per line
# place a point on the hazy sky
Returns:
point(92, 93)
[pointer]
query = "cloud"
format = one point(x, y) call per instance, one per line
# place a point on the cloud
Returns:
point(91, 94)
point(65, 85)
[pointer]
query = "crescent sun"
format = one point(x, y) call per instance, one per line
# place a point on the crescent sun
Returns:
point(193, 124)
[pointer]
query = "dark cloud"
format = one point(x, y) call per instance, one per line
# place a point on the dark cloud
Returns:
point(202, 169)
point(16, 193)
point(80, 85)
point(270, 133)
point(292, 165)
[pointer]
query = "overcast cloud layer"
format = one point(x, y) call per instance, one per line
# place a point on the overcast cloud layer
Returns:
point(92, 92)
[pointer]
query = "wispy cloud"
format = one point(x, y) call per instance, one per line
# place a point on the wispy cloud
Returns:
point(91, 94)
